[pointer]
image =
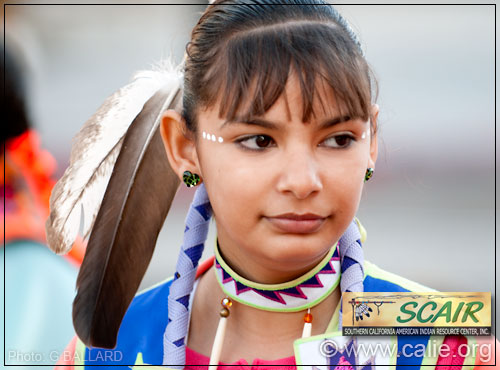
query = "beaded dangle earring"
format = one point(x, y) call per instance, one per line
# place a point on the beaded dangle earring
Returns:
point(369, 174)
point(190, 179)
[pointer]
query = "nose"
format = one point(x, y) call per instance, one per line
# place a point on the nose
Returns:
point(299, 174)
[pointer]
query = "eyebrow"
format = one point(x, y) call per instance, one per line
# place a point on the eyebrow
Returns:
point(270, 125)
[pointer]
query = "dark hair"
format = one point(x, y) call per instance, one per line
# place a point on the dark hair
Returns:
point(13, 104)
point(243, 47)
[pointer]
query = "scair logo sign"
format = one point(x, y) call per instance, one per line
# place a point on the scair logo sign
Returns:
point(425, 313)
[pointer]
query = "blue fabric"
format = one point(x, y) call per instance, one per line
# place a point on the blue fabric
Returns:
point(407, 345)
point(39, 290)
point(372, 284)
point(407, 357)
point(141, 331)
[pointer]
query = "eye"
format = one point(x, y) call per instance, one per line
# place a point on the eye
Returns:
point(339, 141)
point(255, 142)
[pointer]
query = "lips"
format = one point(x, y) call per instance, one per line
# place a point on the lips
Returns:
point(297, 224)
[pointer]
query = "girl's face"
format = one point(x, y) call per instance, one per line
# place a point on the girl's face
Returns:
point(283, 191)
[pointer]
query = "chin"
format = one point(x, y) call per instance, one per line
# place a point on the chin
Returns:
point(297, 251)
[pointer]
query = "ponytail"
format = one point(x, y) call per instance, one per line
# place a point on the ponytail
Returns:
point(195, 235)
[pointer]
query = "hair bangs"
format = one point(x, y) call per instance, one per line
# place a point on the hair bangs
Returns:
point(255, 65)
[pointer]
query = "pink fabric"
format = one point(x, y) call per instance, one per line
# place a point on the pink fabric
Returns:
point(197, 361)
point(453, 360)
point(488, 353)
point(67, 358)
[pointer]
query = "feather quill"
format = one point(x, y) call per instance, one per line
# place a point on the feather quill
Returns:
point(133, 210)
point(93, 155)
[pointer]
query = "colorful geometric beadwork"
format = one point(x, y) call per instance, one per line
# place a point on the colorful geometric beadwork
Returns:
point(301, 293)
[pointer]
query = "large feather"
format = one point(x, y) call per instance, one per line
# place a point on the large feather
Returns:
point(93, 155)
point(123, 238)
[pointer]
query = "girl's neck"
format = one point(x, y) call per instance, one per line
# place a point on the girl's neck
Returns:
point(261, 269)
point(251, 333)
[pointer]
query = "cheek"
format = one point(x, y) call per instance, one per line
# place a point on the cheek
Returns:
point(343, 181)
point(233, 188)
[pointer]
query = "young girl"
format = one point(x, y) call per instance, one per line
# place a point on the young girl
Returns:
point(277, 129)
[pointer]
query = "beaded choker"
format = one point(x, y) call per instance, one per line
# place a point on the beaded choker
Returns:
point(297, 295)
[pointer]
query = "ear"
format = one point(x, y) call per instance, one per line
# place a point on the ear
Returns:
point(179, 143)
point(373, 137)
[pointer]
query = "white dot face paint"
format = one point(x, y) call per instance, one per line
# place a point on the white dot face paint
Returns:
point(212, 137)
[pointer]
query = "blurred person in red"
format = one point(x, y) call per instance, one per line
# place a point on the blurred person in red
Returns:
point(39, 285)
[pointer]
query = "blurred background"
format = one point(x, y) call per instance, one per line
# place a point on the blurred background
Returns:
point(429, 209)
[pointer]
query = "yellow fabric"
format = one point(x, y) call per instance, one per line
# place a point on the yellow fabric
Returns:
point(362, 230)
point(139, 364)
